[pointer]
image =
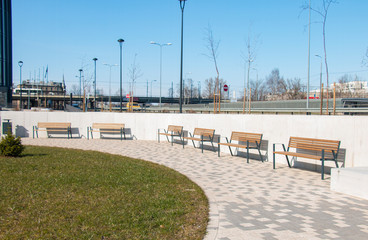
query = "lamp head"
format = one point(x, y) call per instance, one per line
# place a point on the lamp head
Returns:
point(152, 42)
point(168, 44)
point(95, 59)
point(120, 40)
point(80, 70)
point(20, 63)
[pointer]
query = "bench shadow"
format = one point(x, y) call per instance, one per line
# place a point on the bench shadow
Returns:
point(315, 165)
point(253, 153)
point(21, 131)
point(117, 136)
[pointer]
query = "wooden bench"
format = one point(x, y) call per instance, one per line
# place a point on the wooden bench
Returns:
point(172, 131)
point(317, 149)
point(244, 140)
point(51, 127)
point(204, 135)
point(111, 128)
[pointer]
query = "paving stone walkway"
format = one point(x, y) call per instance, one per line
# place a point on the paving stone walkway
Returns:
point(248, 201)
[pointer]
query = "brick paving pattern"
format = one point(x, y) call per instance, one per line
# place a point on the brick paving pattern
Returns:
point(248, 201)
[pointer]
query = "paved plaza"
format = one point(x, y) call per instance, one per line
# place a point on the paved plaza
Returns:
point(248, 201)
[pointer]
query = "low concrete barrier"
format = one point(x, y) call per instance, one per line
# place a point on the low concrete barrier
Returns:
point(350, 130)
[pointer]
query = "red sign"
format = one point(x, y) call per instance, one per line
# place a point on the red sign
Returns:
point(226, 88)
point(127, 96)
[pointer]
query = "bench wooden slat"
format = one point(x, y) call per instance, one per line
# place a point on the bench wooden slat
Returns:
point(54, 125)
point(116, 126)
point(303, 155)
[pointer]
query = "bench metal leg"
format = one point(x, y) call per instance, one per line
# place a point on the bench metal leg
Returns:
point(259, 150)
point(218, 148)
point(202, 142)
point(87, 133)
point(158, 135)
point(287, 157)
point(273, 155)
point(323, 165)
point(172, 139)
point(33, 130)
point(247, 151)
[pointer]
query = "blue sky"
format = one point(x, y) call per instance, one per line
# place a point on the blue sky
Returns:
point(67, 35)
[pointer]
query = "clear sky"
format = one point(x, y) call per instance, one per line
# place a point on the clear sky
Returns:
point(66, 35)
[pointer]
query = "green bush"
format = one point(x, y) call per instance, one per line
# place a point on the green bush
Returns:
point(11, 146)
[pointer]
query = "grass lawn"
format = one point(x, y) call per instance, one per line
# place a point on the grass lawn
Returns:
point(54, 193)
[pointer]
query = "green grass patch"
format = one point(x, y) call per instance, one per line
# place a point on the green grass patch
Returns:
point(55, 193)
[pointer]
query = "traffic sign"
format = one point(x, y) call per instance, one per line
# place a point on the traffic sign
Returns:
point(226, 88)
point(127, 96)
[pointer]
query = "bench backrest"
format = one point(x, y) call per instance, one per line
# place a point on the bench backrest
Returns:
point(314, 144)
point(243, 137)
point(175, 129)
point(204, 132)
point(54, 125)
point(108, 125)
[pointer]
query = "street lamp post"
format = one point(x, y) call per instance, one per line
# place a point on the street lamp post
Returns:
point(121, 73)
point(182, 6)
point(110, 65)
point(95, 83)
point(20, 63)
point(160, 45)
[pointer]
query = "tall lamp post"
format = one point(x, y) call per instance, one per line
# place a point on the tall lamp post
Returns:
point(160, 45)
point(95, 83)
point(110, 65)
point(182, 6)
point(121, 73)
point(20, 63)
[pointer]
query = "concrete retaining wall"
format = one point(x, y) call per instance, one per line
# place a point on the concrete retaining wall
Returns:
point(351, 130)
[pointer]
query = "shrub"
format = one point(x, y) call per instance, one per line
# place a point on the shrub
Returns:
point(11, 146)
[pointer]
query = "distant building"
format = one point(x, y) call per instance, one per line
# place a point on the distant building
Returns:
point(39, 94)
point(41, 88)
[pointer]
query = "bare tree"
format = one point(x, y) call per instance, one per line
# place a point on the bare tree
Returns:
point(212, 47)
point(74, 89)
point(276, 85)
point(134, 72)
point(210, 85)
point(365, 59)
point(294, 89)
point(249, 57)
point(258, 90)
point(322, 12)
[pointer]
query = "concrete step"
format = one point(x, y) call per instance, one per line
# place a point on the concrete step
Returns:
point(352, 181)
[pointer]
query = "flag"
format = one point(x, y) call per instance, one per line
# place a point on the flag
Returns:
point(47, 71)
